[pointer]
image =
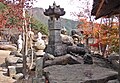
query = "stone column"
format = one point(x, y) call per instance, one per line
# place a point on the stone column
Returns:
point(55, 45)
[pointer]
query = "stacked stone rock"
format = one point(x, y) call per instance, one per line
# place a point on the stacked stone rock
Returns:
point(14, 63)
point(39, 45)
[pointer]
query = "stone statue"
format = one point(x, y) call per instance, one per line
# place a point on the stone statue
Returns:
point(45, 39)
point(66, 39)
point(77, 40)
point(40, 45)
point(20, 43)
point(78, 48)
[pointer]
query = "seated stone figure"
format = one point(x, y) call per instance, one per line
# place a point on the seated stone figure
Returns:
point(39, 45)
point(74, 47)
point(80, 49)
point(77, 40)
point(68, 40)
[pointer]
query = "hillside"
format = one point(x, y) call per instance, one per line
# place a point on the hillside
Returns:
point(38, 14)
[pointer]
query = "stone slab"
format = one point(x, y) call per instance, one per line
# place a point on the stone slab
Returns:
point(80, 73)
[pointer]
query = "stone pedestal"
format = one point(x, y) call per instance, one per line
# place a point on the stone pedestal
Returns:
point(39, 67)
point(55, 46)
point(39, 78)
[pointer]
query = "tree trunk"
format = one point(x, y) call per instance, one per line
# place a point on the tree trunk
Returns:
point(119, 51)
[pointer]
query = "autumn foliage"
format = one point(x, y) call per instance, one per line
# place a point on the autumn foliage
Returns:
point(104, 34)
point(11, 15)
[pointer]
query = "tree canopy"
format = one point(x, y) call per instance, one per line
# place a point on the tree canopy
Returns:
point(11, 16)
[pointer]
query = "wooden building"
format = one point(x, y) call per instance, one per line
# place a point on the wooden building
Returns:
point(107, 8)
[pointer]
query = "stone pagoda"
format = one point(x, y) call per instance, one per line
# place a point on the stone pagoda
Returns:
point(55, 46)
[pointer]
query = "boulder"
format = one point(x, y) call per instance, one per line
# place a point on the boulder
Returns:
point(77, 50)
point(39, 45)
point(115, 64)
point(39, 53)
point(113, 81)
point(48, 56)
point(11, 60)
point(13, 53)
point(39, 80)
point(87, 59)
point(114, 59)
point(18, 55)
point(19, 67)
point(113, 56)
point(63, 60)
point(8, 47)
point(18, 76)
point(20, 60)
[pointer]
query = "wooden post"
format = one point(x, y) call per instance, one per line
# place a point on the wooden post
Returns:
point(25, 47)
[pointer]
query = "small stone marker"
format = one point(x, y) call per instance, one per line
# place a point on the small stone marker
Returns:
point(11, 71)
point(39, 67)
point(39, 71)
point(18, 76)
point(38, 80)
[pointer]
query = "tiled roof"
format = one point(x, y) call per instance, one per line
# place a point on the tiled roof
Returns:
point(105, 8)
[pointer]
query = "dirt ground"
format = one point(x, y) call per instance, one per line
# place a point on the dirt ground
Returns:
point(3, 78)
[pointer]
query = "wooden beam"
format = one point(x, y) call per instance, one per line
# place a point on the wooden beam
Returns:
point(100, 6)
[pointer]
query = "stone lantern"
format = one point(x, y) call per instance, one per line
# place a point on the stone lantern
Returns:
point(55, 45)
